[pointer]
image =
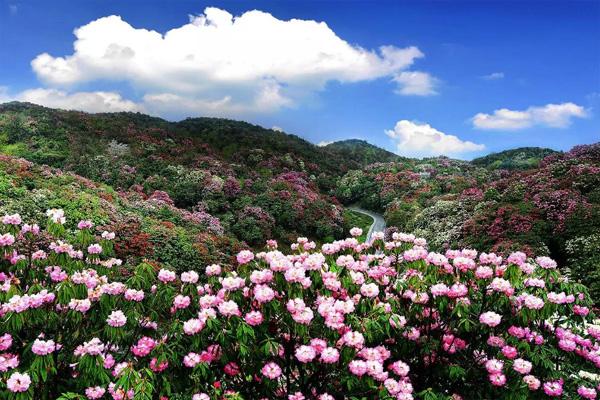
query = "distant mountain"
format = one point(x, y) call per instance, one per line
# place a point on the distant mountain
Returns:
point(519, 158)
point(361, 152)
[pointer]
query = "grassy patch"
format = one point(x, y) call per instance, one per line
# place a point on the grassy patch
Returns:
point(355, 219)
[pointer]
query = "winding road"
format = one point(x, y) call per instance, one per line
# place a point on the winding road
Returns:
point(378, 224)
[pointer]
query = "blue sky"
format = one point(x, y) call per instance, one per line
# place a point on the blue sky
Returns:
point(458, 78)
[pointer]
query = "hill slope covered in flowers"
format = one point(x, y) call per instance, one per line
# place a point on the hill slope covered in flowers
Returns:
point(150, 228)
point(552, 209)
point(252, 184)
point(259, 183)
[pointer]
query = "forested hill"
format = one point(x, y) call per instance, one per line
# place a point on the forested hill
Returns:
point(519, 158)
point(361, 152)
point(56, 137)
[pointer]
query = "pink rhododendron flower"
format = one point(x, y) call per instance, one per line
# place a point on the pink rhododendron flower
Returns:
point(191, 360)
point(490, 318)
point(330, 355)
point(94, 249)
point(116, 319)
point(14, 219)
point(213, 270)
point(356, 232)
point(271, 370)
point(522, 366)
point(158, 366)
point(305, 354)
point(7, 239)
point(43, 347)
point(144, 346)
point(181, 302)
point(229, 308)
point(244, 257)
point(553, 388)
point(6, 341)
point(494, 366)
point(587, 392)
point(532, 382)
point(18, 383)
point(95, 392)
point(193, 326)
point(498, 379)
point(85, 224)
point(166, 276)
point(369, 290)
point(108, 235)
point(190, 277)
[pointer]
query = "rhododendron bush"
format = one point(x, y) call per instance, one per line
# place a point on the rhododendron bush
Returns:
point(350, 320)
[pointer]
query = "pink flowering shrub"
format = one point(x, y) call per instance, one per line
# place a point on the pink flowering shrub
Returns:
point(351, 320)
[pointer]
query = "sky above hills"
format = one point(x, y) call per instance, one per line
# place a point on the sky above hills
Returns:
point(418, 78)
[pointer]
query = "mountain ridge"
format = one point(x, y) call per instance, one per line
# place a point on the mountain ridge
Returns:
point(357, 152)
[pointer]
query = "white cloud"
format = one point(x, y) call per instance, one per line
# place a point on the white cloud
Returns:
point(268, 99)
point(82, 101)
point(253, 62)
point(503, 119)
point(422, 140)
point(157, 104)
point(4, 97)
point(415, 83)
point(550, 115)
point(493, 76)
point(324, 143)
point(277, 128)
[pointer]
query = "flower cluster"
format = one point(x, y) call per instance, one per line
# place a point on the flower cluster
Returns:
point(385, 319)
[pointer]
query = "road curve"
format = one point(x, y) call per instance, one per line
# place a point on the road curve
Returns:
point(378, 224)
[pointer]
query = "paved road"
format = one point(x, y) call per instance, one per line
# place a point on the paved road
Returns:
point(378, 221)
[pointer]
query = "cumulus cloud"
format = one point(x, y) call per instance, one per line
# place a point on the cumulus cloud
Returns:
point(81, 101)
point(254, 62)
point(422, 140)
point(415, 83)
point(550, 115)
point(493, 76)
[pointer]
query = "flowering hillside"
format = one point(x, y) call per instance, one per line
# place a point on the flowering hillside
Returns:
point(348, 320)
point(205, 166)
point(146, 228)
point(553, 209)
